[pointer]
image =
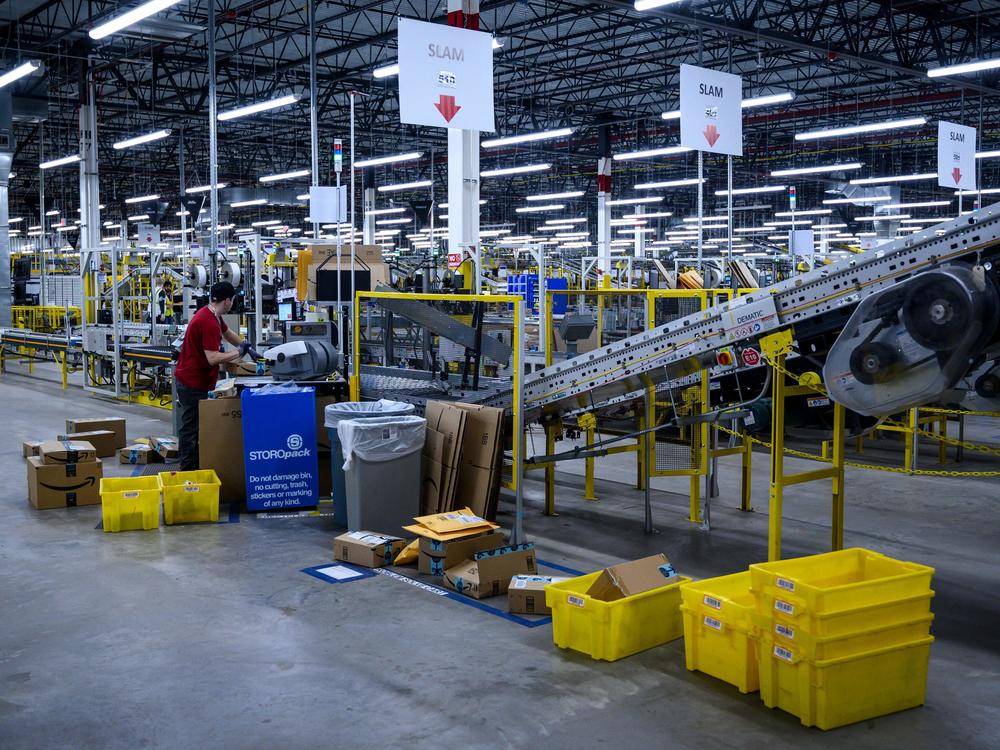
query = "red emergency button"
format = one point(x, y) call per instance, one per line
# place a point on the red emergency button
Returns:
point(724, 357)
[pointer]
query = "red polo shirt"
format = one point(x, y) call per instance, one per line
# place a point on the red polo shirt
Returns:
point(204, 332)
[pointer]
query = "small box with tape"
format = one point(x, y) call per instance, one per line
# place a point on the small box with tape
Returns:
point(30, 447)
point(488, 573)
point(366, 548)
point(63, 485)
point(165, 445)
point(526, 594)
point(67, 452)
point(104, 441)
point(138, 454)
point(437, 555)
point(115, 425)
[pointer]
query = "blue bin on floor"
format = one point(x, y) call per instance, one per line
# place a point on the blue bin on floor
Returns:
point(333, 415)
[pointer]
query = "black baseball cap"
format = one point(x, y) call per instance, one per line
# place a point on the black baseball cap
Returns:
point(222, 290)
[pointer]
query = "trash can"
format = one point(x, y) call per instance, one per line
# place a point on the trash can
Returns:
point(332, 416)
point(382, 471)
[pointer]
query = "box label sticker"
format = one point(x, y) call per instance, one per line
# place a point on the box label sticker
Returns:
point(783, 653)
point(132, 495)
point(784, 583)
point(520, 583)
point(711, 602)
point(576, 601)
point(192, 488)
point(784, 630)
point(713, 623)
point(785, 607)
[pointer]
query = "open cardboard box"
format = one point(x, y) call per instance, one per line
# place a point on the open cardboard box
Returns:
point(631, 578)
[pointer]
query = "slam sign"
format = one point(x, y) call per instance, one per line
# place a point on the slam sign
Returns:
point(445, 76)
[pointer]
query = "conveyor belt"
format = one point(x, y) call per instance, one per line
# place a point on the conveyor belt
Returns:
point(690, 344)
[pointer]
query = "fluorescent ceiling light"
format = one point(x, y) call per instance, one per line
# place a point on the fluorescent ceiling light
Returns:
point(887, 217)
point(970, 67)
point(303, 197)
point(674, 115)
point(803, 222)
point(581, 220)
point(858, 201)
point(918, 204)
point(987, 191)
point(386, 71)
point(206, 188)
point(244, 204)
point(139, 217)
point(652, 215)
point(493, 232)
point(922, 221)
point(284, 175)
point(385, 222)
point(388, 159)
point(554, 196)
point(143, 199)
point(811, 212)
point(668, 184)
point(666, 151)
point(979, 155)
point(141, 139)
point(405, 186)
point(384, 211)
point(60, 162)
point(504, 171)
point(633, 201)
point(133, 16)
point(871, 127)
point(896, 178)
point(16, 73)
point(818, 169)
point(546, 207)
point(754, 190)
point(621, 223)
point(268, 223)
point(511, 140)
point(252, 109)
point(53, 212)
point(15, 221)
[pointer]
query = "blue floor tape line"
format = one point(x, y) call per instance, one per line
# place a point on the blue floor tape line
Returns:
point(561, 568)
point(498, 612)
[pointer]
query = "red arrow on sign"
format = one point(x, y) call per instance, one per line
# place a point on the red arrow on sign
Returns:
point(447, 107)
point(957, 174)
point(711, 135)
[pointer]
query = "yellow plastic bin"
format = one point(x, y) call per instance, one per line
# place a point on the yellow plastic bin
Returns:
point(613, 630)
point(130, 503)
point(849, 644)
point(830, 693)
point(837, 581)
point(719, 631)
point(190, 496)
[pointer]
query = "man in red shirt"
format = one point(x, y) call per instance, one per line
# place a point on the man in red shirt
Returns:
point(198, 366)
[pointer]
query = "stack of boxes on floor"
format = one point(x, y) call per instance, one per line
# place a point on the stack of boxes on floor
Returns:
point(66, 472)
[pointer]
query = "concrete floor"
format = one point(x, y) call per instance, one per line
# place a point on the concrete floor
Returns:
point(210, 636)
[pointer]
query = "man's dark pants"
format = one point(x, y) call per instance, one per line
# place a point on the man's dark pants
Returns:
point(187, 424)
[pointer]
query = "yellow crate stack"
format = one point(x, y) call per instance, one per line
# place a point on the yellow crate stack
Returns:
point(844, 636)
point(719, 636)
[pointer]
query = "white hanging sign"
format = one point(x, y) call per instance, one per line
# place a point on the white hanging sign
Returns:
point(328, 205)
point(711, 111)
point(149, 234)
point(956, 156)
point(445, 76)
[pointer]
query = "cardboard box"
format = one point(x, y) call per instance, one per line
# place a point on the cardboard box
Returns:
point(450, 421)
point(367, 548)
point(105, 442)
point(379, 272)
point(464, 521)
point(115, 424)
point(442, 454)
point(138, 454)
point(244, 369)
point(30, 447)
point(488, 573)
point(367, 253)
point(67, 452)
point(165, 445)
point(63, 485)
point(220, 444)
point(526, 594)
point(436, 556)
point(482, 459)
point(631, 578)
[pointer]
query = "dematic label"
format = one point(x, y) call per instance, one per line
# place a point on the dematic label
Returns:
point(751, 318)
point(279, 439)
